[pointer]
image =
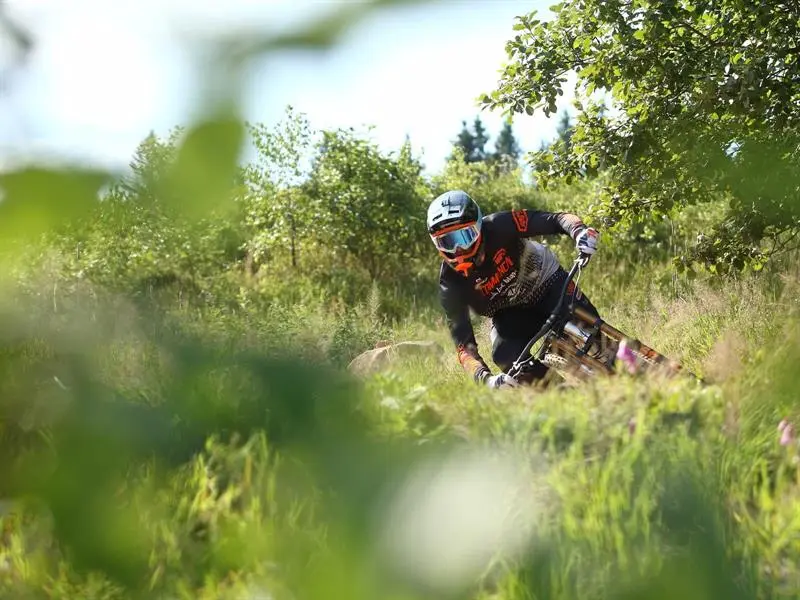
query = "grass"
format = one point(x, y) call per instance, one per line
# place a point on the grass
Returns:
point(604, 480)
point(181, 455)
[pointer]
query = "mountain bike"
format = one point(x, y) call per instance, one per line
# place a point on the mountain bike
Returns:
point(578, 345)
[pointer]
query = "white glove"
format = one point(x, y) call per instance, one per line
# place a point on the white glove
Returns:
point(500, 380)
point(586, 241)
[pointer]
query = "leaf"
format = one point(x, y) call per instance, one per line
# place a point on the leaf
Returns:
point(35, 200)
point(319, 34)
point(205, 167)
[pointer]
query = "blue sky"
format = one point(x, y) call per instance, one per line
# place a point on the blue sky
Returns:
point(104, 73)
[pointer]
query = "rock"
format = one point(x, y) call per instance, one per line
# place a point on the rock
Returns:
point(378, 358)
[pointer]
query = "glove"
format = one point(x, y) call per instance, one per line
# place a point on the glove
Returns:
point(586, 241)
point(501, 380)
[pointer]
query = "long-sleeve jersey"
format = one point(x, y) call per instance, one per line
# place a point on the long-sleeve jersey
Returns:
point(515, 271)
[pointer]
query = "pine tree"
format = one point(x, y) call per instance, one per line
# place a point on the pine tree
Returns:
point(149, 165)
point(465, 141)
point(565, 129)
point(473, 142)
point(506, 144)
point(480, 139)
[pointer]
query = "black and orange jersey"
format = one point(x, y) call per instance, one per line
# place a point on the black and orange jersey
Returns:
point(515, 271)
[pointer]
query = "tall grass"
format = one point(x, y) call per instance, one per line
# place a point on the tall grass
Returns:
point(222, 454)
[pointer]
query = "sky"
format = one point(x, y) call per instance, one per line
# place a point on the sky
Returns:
point(103, 74)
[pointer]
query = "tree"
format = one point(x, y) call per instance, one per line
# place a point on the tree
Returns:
point(367, 207)
point(275, 212)
point(481, 140)
point(685, 79)
point(507, 150)
point(137, 239)
point(149, 166)
point(564, 130)
point(465, 142)
point(472, 143)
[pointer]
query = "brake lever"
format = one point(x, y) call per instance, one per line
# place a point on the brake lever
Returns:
point(581, 261)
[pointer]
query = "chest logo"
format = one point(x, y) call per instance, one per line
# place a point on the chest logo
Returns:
point(501, 278)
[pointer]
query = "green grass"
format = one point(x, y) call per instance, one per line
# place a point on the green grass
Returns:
point(208, 453)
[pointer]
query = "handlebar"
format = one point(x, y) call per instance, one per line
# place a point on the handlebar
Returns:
point(579, 263)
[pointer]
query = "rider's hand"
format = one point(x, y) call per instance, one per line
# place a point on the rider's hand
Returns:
point(586, 241)
point(501, 380)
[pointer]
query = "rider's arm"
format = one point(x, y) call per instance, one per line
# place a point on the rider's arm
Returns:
point(527, 222)
point(460, 326)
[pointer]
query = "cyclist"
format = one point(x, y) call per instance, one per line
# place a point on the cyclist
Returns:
point(492, 267)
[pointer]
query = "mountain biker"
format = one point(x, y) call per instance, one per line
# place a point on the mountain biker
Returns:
point(492, 267)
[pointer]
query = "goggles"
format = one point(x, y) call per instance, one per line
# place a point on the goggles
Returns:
point(457, 241)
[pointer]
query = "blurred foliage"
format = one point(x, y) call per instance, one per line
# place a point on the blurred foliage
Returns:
point(176, 422)
point(704, 106)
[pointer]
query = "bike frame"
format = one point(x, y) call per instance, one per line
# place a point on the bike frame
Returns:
point(576, 342)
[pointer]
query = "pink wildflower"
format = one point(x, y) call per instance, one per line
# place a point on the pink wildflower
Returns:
point(786, 430)
point(626, 356)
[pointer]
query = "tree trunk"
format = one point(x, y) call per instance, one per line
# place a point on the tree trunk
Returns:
point(292, 236)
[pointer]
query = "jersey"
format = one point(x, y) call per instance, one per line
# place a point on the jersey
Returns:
point(515, 271)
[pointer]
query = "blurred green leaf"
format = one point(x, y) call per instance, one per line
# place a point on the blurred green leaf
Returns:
point(203, 173)
point(36, 200)
point(320, 34)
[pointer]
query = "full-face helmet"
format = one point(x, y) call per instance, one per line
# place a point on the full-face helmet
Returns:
point(454, 224)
